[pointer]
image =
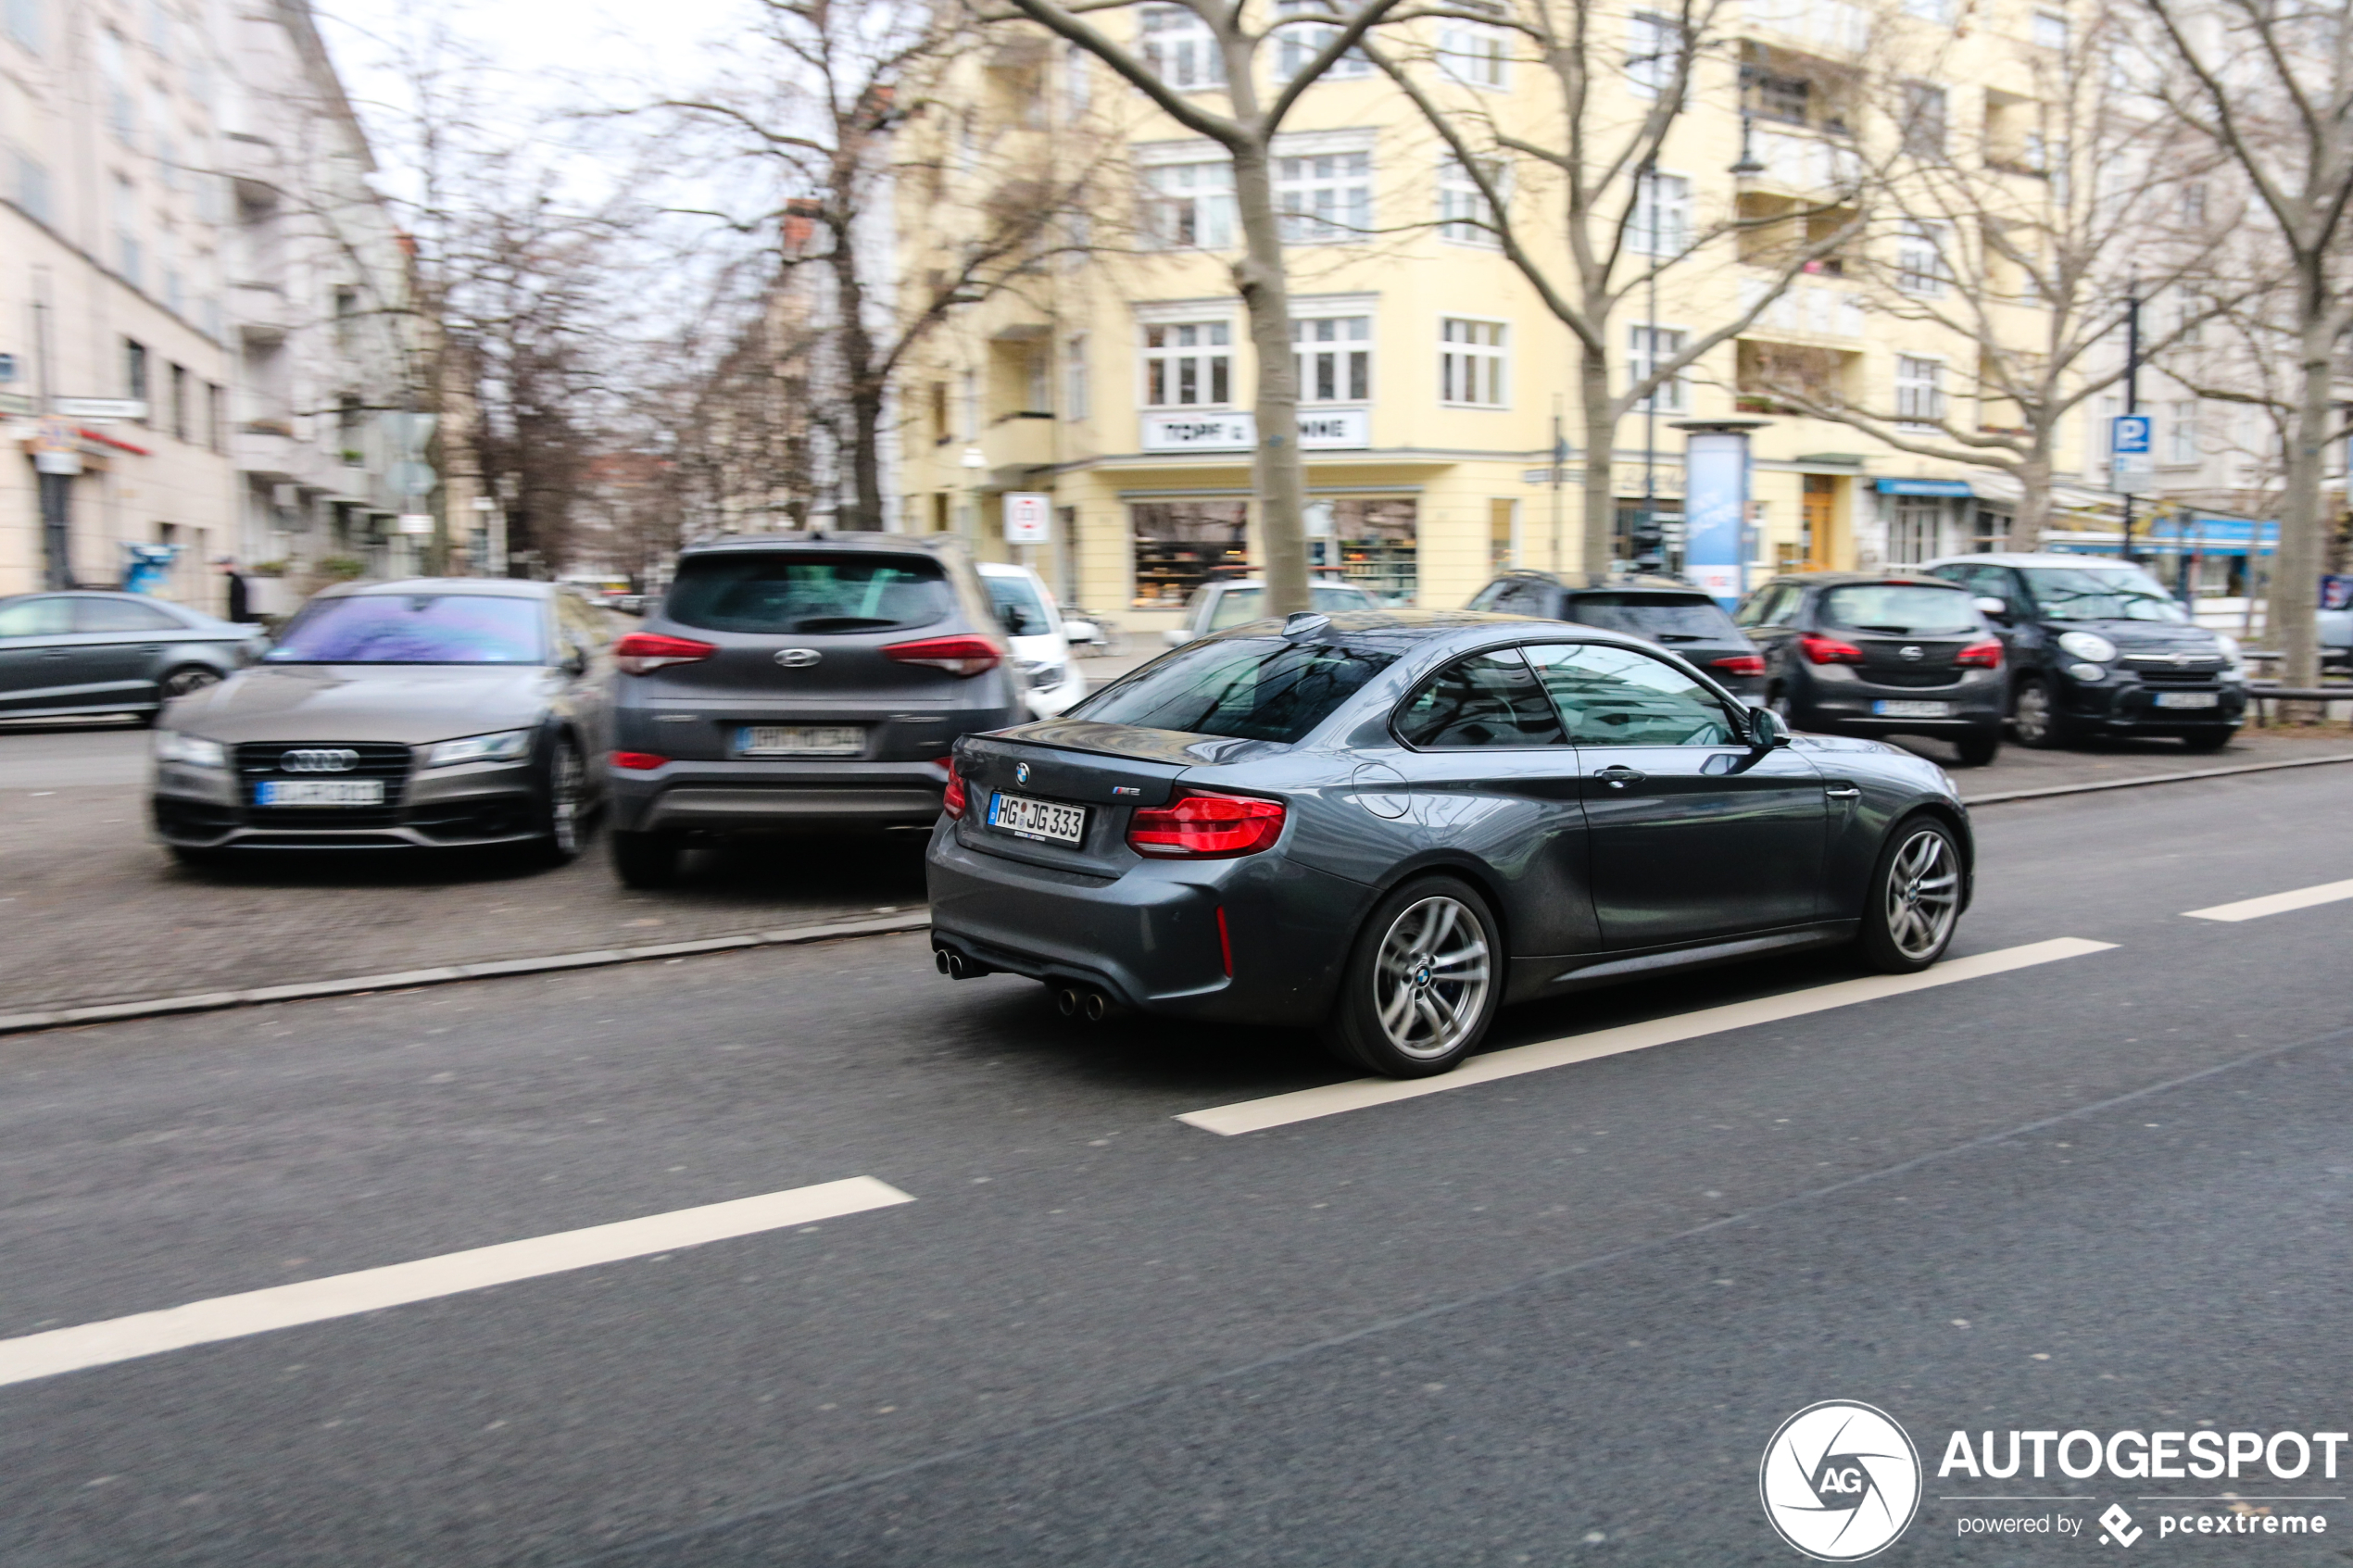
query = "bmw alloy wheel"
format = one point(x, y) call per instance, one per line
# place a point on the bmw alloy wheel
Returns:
point(1923, 893)
point(1431, 979)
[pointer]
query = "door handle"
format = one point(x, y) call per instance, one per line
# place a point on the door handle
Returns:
point(1847, 793)
point(1617, 775)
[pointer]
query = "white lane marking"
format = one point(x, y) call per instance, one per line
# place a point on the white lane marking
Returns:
point(396, 1284)
point(2274, 904)
point(1305, 1105)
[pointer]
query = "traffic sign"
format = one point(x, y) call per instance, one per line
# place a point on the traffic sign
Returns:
point(2130, 468)
point(2128, 433)
point(1028, 516)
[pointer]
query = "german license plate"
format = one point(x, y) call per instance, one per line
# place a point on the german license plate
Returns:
point(1894, 710)
point(1037, 819)
point(318, 792)
point(2189, 699)
point(801, 740)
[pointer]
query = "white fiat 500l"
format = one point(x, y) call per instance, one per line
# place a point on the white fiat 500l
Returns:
point(1050, 677)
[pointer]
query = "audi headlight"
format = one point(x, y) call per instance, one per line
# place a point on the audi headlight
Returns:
point(2088, 644)
point(506, 745)
point(189, 751)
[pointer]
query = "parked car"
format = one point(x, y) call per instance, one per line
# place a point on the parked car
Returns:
point(2098, 647)
point(1050, 676)
point(1870, 653)
point(1388, 824)
point(1221, 605)
point(2334, 628)
point(801, 681)
point(96, 652)
point(1658, 610)
point(426, 712)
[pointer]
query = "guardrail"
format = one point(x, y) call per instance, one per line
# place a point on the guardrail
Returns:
point(2261, 692)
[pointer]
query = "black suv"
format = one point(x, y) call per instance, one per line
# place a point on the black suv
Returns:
point(1660, 610)
point(799, 681)
point(1869, 654)
point(2097, 646)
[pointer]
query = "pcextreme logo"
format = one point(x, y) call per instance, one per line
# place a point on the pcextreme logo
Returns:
point(1841, 1481)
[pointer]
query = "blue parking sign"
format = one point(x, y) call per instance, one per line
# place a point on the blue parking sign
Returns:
point(2128, 435)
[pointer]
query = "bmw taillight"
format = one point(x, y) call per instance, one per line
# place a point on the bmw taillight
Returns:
point(1828, 650)
point(1738, 664)
point(639, 761)
point(642, 653)
point(953, 802)
point(960, 655)
point(1201, 827)
point(1983, 654)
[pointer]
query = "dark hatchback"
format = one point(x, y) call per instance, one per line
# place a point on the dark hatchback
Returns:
point(1658, 610)
point(2097, 647)
point(1869, 654)
point(1390, 824)
point(799, 682)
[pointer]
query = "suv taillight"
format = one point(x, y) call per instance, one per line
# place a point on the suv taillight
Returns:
point(1201, 827)
point(641, 653)
point(953, 802)
point(961, 655)
point(1738, 664)
point(1828, 650)
point(1983, 654)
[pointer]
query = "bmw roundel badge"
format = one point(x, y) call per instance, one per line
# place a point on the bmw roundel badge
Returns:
point(1020, 773)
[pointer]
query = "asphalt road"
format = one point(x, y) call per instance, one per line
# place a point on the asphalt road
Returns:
point(1553, 1319)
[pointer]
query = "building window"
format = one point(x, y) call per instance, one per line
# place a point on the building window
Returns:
point(1662, 215)
point(1325, 199)
point(128, 257)
point(1077, 390)
point(1919, 392)
point(1916, 533)
point(1928, 10)
point(1784, 99)
point(1189, 206)
point(1179, 544)
point(1473, 53)
point(968, 406)
point(120, 117)
point(1077, 81)
point(215, 430)
point(1647, 348)
point(1187, 364)
point(1298, 42)
point(1335, 357)
point(1470, 362)
point(1466, 216)
point(32, 188)
point(1180, 49)
point(134, 370)
point(1919, 258)
point(1654, 54)
point(940, 433)
point(180, 401)
point(2181, 433)
point(1923, 121)
point(2050, 30)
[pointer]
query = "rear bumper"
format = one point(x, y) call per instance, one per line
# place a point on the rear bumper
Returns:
point(1843, 704)
point(1148, 938)
point(774, 796)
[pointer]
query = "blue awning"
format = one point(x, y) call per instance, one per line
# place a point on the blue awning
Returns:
point(1925, 487)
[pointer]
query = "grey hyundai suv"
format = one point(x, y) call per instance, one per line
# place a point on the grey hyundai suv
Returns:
point(799, 681)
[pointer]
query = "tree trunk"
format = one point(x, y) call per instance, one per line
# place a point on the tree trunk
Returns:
point(1280, 479)
point(2289, 621)
point(2034, 505)
point(1601, 463)
point(866, 390)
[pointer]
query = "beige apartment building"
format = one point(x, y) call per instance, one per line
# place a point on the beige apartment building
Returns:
point(1119, 382)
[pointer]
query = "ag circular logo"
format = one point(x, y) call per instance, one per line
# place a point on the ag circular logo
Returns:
point(1020, 773)
point(1840, 1481)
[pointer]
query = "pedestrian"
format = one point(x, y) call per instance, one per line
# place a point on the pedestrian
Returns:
point(240, 597)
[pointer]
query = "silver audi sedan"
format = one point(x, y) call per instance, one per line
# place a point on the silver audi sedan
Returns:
point(428, 712)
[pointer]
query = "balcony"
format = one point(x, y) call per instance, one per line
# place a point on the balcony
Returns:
point(265, 448)
point(1018, 442)
point(1804, 311)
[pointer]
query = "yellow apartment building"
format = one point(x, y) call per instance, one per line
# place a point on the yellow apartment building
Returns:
point(1118, 379)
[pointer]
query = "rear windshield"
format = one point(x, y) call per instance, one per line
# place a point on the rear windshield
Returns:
point(1661, 618)
point(1253, 688)
point(1018, 605)
point(415, 629)
point(808, 593)
point(1247, 603)
point(1900, 609)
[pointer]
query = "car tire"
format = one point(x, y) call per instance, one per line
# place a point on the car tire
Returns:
point(1422, 984)
point(647, 860)
point(562, 807)
point(2211, 742)
point(2035, 717)
point(1913, 902)
point(1978, 751)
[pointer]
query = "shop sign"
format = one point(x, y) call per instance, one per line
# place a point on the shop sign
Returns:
point(1323, 430)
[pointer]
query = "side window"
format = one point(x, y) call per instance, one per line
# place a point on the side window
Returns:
point(1485, 699)
point(117, 614)
point(36, 618)
point(1617, 696)
point(1765, 607)
point(1491, 596)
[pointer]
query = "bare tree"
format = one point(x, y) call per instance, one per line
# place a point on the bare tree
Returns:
point(1230, 49)
point(2269, 82)
point(1575, 206)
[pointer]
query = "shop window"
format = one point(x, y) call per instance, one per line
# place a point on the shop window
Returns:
point(1181, 544)
point(1918, 530)
point(1187, 364)
point(1372, 544)
point(1335, 359)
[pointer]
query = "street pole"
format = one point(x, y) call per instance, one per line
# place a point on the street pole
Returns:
point(2132, 388)
point(1647, 541)
point(1557, 455)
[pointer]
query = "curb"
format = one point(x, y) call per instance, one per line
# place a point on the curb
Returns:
point(213, 1001)
point(2155, 778)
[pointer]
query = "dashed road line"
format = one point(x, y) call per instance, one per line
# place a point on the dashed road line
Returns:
point(1332, 1099)
point(2274, 903)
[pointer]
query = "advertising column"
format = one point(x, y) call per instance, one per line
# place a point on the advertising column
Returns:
point(1716, 504)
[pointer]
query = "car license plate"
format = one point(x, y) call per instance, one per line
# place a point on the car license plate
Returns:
point(318, 792)
point(1893, 710)
point(2189, 699)
point(801, 740)
point(1037, 819)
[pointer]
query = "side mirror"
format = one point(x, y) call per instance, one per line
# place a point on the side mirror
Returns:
point(1992, 607)
point(1079, 631)
point(1766, 730)
point(576, 660)
point(1177, 636)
